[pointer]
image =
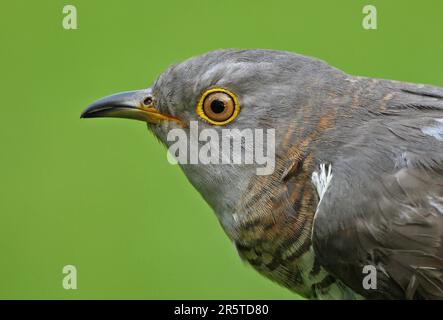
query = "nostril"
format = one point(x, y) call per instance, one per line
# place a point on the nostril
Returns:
point(147, 101)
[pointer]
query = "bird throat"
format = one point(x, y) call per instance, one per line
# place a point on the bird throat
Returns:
point(274, 223)
point(274, 219)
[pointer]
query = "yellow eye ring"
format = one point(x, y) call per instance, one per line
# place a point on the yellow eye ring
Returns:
point(218, 106)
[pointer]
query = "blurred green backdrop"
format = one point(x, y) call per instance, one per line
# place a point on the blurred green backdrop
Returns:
point(100, 194)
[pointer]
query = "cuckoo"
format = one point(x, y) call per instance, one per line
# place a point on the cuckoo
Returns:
point(357, 186)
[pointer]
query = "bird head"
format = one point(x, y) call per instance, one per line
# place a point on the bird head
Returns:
point(227, 89)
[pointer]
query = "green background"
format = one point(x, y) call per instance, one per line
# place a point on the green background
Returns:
point(100, 194)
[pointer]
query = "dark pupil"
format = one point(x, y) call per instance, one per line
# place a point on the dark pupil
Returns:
point(217, 106)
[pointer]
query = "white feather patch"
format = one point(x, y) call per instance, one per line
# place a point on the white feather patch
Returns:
point(322, 180)
point(435, 131)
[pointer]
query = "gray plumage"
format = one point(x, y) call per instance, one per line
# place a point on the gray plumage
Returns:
point(382, 140)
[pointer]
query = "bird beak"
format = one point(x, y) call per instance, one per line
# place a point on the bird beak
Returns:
point(136, 105)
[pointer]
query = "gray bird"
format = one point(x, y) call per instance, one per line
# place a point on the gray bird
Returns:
point(354, 206)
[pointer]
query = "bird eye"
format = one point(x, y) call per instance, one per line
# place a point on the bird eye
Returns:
point(218, 106)
point(147, 101)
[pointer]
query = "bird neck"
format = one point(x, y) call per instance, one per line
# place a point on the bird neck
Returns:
point(278, 210)
point(281, 206)
point(273, 219)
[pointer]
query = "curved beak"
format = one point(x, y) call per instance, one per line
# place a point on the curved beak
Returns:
point(137, 105)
